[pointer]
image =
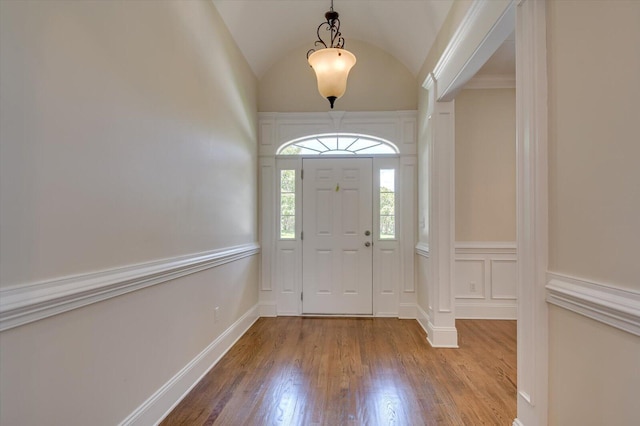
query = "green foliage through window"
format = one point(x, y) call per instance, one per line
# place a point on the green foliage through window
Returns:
point(387, 204)
point(287, 204)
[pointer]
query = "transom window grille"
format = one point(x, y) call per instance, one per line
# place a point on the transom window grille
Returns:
point(338, 144)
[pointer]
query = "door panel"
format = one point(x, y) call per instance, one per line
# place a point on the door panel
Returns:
point(336, 212)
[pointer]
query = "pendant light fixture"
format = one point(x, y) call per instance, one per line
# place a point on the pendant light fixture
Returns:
point(331, 62)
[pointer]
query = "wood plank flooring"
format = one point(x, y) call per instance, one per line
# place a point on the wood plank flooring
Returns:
point(356, 371)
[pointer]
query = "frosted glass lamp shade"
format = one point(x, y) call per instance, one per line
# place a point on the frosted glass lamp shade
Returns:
point(332, 68)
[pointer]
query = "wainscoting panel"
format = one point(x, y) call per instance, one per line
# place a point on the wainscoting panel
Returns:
point(485, 280)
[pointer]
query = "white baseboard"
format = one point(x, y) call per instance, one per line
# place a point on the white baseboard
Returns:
point(482, 310)
point(268, 309)
point(438, 337)
point(517, 422)
point(386, 315)
point(422, 317)
point(442, 337)
point(160, 404)
point(407, 311)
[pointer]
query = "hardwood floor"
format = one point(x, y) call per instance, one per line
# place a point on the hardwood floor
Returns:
point(355, 371)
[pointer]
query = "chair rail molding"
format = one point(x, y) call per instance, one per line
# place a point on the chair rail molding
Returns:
point(26, 303)
point(608, 304)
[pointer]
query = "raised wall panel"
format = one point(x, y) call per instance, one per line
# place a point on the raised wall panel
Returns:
point(324, 212)
point(287, 269)
point(503, 279)
point(350, 216)
point(388, 270)
point(324, 266)
point(267, 228)
point(266, 133)
point(468, 271)
point(350, 271)
point(492, 266)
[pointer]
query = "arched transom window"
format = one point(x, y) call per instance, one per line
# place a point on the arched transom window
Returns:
point(338, 144)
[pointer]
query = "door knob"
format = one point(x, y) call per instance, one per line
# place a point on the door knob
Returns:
point(367, 244)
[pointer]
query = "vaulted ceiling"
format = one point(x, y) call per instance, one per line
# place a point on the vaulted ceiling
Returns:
point(266, 29)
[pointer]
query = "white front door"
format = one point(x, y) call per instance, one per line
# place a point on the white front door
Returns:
point(337, 215)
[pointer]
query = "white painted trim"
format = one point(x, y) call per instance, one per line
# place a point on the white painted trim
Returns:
point(23, 304)
point(610, 305)
point(486, 247)
point(165, 399)
point(517, 422)
point(398, 127)
point(268, 309)
point(407, 311)
point(532, 210)
point(442, 337)
point(483, 29)
point(423, 318)
point(422, 249)
point(483, 310)
point(492, 81)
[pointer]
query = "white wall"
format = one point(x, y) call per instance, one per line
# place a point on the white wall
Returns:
point(594, 202)
point(128, 135)
point(378, 82)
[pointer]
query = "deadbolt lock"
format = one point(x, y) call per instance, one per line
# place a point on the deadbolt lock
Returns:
point(367, 233)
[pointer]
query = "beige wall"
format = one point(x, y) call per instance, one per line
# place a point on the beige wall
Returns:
point(378, 82)
point(485, 165)
point(95, 365)
point(594, 377)
point(594, 187)
point(125, 126)
point(128, 134)
point(594, 203)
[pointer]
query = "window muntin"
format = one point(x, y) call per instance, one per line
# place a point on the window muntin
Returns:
point(387, 204)
point(287, 204)
point(338, 144)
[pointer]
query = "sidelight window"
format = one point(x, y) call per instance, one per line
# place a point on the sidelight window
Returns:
point(287, 204)
point(387, 204)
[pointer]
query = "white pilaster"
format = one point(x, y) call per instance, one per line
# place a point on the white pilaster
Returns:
point(532, 211)
point(441, 327)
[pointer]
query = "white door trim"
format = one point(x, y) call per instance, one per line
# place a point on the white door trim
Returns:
point(280, 295)
point(473, 40)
